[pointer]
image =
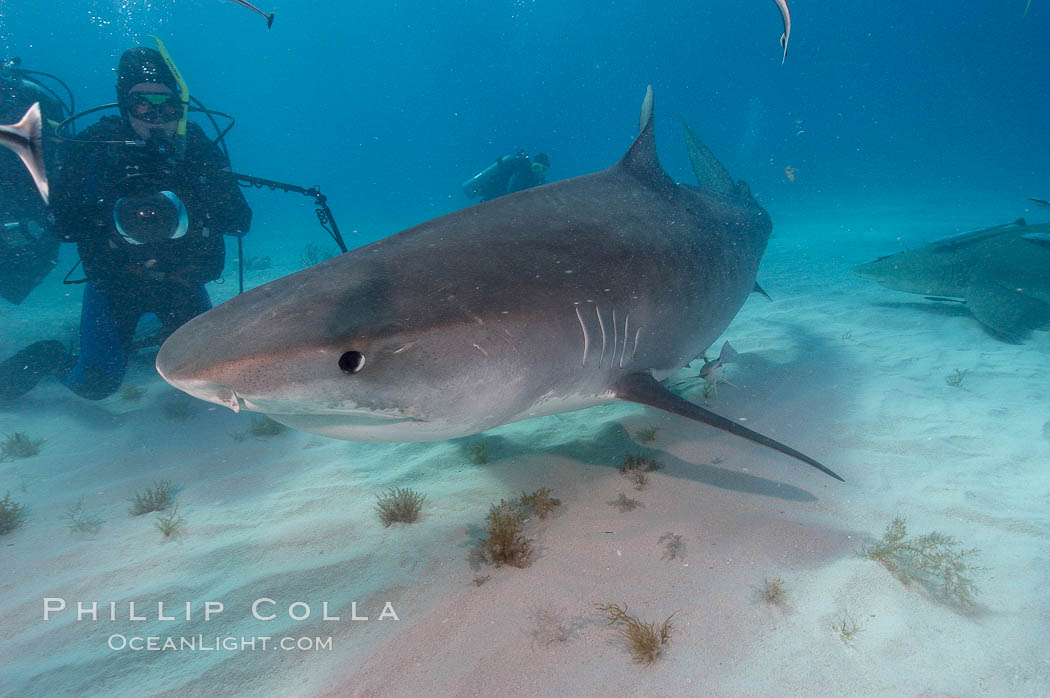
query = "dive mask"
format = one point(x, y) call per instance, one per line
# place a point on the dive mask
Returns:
point(145, 219)
point(155, 108)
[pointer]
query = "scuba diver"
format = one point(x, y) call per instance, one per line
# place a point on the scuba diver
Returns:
point(507, 175)
point(28, 251)
point(147, 197)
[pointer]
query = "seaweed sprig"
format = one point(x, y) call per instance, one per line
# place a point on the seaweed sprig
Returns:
point(156, 498)
point(12, 514)
point(645, 640)
point(505, 542)
point(399, 505)
point(540, 503)
point(934, 560)
point(19, 445)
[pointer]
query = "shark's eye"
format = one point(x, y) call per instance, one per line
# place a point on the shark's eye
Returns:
point(352, 361)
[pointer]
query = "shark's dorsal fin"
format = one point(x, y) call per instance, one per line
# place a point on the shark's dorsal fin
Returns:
point(973, 236)
point(710, 173)
point(641, 160)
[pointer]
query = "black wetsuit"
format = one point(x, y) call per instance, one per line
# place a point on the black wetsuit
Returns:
point(124, 280)
point(93, 177)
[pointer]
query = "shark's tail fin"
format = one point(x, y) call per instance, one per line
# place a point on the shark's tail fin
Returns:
point(24, 138)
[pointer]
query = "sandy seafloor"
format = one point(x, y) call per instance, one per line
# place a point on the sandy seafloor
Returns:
point(838, 367)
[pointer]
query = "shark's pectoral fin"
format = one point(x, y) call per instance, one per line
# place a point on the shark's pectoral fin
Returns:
point(1006, 311)
point(646, 390)
point(1041, 239)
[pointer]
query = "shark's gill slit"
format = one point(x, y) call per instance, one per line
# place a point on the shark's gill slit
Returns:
point(626, 322)
point(637, 336)
point(602, 326)
point(616, 339)
point(586, 337)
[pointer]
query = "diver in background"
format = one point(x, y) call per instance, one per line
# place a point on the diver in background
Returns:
point(507, 175)
point(147, 197)
point(28, 251)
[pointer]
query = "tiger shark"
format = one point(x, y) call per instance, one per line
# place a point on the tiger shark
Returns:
point(1002, 273)
point(553, 299)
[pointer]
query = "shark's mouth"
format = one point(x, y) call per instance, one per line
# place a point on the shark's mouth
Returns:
point(292, 409)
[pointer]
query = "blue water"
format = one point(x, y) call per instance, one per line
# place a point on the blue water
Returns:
point(389, 106)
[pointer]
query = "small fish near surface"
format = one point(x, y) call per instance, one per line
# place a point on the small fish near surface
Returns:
point(1002, 273)
point(785, 14)
point(268, 16)
point(553, 299)
point(25, 140)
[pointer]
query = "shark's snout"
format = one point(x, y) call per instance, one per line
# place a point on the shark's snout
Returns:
point(204, 390)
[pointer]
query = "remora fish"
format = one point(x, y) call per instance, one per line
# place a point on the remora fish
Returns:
point(714, 371)
point(253, 8)
point(24, 138)
point(785, 15)
point(1000, 272)
point(553, 299)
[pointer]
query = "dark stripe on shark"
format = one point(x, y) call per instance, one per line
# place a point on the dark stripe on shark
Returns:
point(646, 390)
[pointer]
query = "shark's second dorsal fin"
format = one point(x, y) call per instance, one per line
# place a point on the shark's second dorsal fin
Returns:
point(710, 173)
point(641, 160)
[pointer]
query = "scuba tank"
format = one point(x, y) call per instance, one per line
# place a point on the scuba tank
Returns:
point(28, 252)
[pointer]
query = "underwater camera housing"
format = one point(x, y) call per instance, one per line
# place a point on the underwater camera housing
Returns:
point(149, 218)
point(146, 209)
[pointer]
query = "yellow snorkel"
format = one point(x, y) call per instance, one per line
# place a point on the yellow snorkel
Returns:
point(184, 95)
